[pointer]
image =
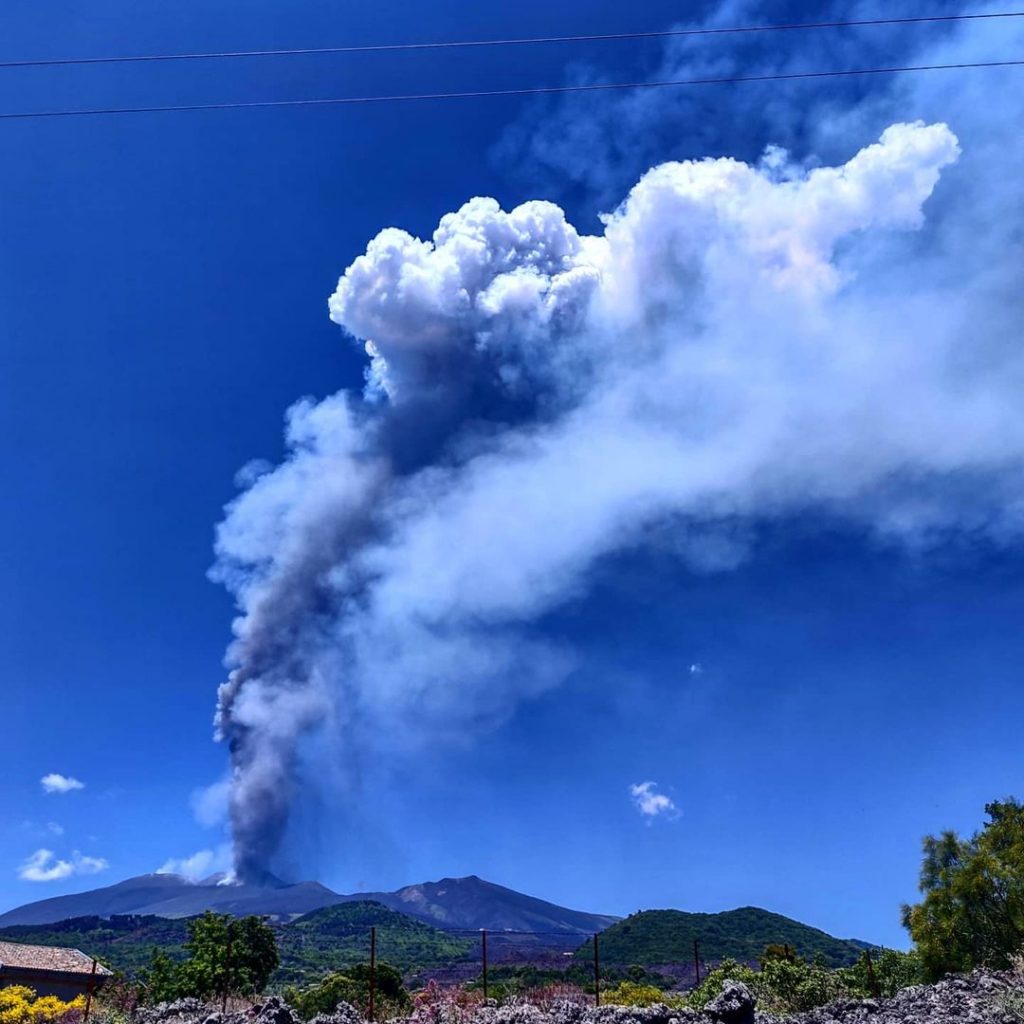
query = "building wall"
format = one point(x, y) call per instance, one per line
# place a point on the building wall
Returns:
point(50, 983)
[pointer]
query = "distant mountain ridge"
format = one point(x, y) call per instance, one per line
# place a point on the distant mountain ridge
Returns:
point(174, 896)
point(451, 903)
point(474, 903)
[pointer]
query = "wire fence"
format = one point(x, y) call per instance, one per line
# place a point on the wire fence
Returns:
point(493, 961)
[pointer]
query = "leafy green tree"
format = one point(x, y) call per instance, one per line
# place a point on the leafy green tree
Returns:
point(972, 913)
point(224, 954)
point(161, 979)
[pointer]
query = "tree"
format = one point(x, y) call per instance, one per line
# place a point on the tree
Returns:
point(972, 913)
point(161, 980)
point(225, 954)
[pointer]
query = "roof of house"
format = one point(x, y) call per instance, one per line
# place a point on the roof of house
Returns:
point(22, 956)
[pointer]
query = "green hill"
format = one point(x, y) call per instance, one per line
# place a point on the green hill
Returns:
point(666, 936)
point(334, 937)
point(310, 946)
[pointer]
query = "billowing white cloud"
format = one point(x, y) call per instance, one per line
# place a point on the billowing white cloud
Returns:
point(45, 866)
point(650, 803)
point(42, 866)
point(740, 344)
point(198, 865)
point(57, 783)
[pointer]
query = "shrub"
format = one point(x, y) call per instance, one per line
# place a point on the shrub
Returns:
point(353, 986)
point(20, 1005)
point(631, 993)
point(711, 986)
point(884, 972)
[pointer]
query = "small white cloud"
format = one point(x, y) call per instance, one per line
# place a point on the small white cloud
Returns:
point(54, 828)
point(90, 865)
point(652, 804)
point(45, 866)
point(199, 865)
point(42, 866)
point(57, 783)
point(696, 669)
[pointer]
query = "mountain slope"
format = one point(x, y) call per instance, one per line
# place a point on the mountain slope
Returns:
point(335, 937)
point(472, 903)
point(173, 896)
point(667, 936)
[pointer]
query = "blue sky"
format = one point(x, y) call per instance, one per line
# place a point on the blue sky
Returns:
point(811, 712)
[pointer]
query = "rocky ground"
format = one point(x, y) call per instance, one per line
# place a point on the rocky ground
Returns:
point(978, 998)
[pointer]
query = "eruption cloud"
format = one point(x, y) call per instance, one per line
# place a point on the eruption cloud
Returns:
point(741, 344)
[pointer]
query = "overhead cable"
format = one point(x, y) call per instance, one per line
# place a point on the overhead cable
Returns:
point(523, 41)
point(495, 93)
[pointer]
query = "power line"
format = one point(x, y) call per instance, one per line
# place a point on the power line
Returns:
point(527, 41)
point(492, 93)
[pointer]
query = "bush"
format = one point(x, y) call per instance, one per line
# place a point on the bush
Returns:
point(353, 986)
point(712, 984)
point(631, 993)
point(20, 1005)
point(795, 985)
point(884, 972)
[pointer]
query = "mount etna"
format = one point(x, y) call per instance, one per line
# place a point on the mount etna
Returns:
point(432, 927)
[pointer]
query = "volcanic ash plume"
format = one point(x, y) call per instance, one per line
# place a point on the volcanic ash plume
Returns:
point(537, 399)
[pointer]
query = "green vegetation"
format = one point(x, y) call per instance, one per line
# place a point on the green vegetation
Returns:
point(972, 913)
point(336, 938)
point(786, 983)
point(312, 946)
point(353, 986)
point(667, 936)
point(223, 954)
point(123, 942)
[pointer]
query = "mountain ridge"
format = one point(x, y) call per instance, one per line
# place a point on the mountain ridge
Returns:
point(453, 903)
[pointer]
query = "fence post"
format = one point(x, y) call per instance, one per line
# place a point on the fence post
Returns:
point(597, 974)
point(696, 959)
point(483, 952)
point(373, 968)
point(88, 993)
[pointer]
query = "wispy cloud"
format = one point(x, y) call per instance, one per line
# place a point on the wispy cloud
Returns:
point(210, 803)
point(45, 866)
point(57, 783)
point(650, 803)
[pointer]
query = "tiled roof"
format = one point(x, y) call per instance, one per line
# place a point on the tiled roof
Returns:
point(20, 955)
